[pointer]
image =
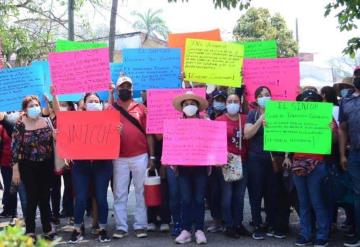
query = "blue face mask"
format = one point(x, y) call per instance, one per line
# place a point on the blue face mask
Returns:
point(34, 112)
point(220, 106)
point(344, 92)
point(263, 101)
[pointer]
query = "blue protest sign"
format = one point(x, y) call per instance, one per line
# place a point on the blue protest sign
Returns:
point(16, 83)
point(152, 67)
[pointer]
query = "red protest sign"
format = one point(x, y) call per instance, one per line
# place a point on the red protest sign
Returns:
point(88, 135)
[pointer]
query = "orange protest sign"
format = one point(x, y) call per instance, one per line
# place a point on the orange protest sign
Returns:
point(178, 40)
point(88, 135)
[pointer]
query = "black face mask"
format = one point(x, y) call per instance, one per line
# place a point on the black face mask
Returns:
point(124, 94)
point(357, 83)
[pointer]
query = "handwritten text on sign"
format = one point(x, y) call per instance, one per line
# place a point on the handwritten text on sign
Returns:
point(17, 83)
point(85, 135)
point(213, 62)
point(261, 49)
point(152, 68)
point(298, 127)
point(281, 75)
point(178, 40)
point(187, 142)
point(160, 108)
point(80, 71)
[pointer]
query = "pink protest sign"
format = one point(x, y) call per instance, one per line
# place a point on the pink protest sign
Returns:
point(80, 71)
point(281, 75)
point(160, 107)
point(194, 142)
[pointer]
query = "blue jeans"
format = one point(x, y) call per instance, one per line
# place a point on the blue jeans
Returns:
point(192, 181)
point(311, 198)
point(262, 183)
point(232, 202)
point(354, 171)
point(174, 195)
point(99, 172)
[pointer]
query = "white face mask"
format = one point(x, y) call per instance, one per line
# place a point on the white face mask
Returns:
point(233, 108)
point(13, 117)
point(93, 106)
point(190, 110)
point(63, 108)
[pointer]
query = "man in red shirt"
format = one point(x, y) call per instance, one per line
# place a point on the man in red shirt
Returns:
point(135, 149)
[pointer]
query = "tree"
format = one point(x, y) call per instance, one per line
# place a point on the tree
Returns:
point(348, 13)
point(112, 29)
point(243, 4)
point(258, 24)
point(151, 23)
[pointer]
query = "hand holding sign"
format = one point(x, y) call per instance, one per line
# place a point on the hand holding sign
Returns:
point(302, 127)
point(85, 135)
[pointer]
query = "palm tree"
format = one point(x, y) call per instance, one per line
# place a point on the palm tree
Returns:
point(151, 23)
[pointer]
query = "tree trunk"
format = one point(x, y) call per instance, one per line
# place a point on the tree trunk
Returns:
point(112, 29)
point(71, 7)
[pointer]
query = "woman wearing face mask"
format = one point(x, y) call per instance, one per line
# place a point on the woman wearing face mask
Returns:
point(192, 180)
point(32, 160)
point(309, 171)
point(85, 171)
point(213, 195)
point(233, 192)
point(261, 177)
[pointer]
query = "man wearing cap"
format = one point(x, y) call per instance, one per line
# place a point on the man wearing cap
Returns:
point(135, 149)
point(349, 118)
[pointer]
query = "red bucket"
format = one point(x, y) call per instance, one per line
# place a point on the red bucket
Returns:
point(152, 190)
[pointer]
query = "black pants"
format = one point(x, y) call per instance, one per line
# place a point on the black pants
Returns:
point(36, 177)
point(55, 195)
point(68, 198)
point(287, 199)
point(163, 211)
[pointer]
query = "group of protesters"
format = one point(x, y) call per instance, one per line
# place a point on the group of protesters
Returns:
point(312, 185)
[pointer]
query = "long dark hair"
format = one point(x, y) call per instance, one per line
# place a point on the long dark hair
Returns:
point(329, 94)
point(260, 89)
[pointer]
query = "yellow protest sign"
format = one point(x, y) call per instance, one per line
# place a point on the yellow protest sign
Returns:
point(213, 62)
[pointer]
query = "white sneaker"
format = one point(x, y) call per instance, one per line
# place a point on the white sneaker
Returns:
point(183, 238)
point(151, 227)
point(164, 228)
point(200, 237)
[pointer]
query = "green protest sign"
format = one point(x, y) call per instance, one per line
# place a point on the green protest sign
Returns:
point(67, 45)
point(302, 127)
point(260, 49)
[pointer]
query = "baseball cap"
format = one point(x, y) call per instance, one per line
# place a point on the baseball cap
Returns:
point(122, 80)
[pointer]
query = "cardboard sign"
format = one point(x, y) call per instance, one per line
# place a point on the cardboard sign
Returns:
point(213, 62)
point(86, 136)
point(152, 68)
point(80, 71)
point(17, 83)
point(68, 45)
point(302, 127)
point(160, 107)
point(260, 49)
point(178, 40)
point(281, 75)
point(194, 142)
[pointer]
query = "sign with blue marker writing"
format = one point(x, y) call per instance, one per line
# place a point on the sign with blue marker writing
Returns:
point(152, 68)
point(17, 83)
point(115, 70)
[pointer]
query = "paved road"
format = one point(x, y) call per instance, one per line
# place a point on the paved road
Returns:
point(157, 239)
